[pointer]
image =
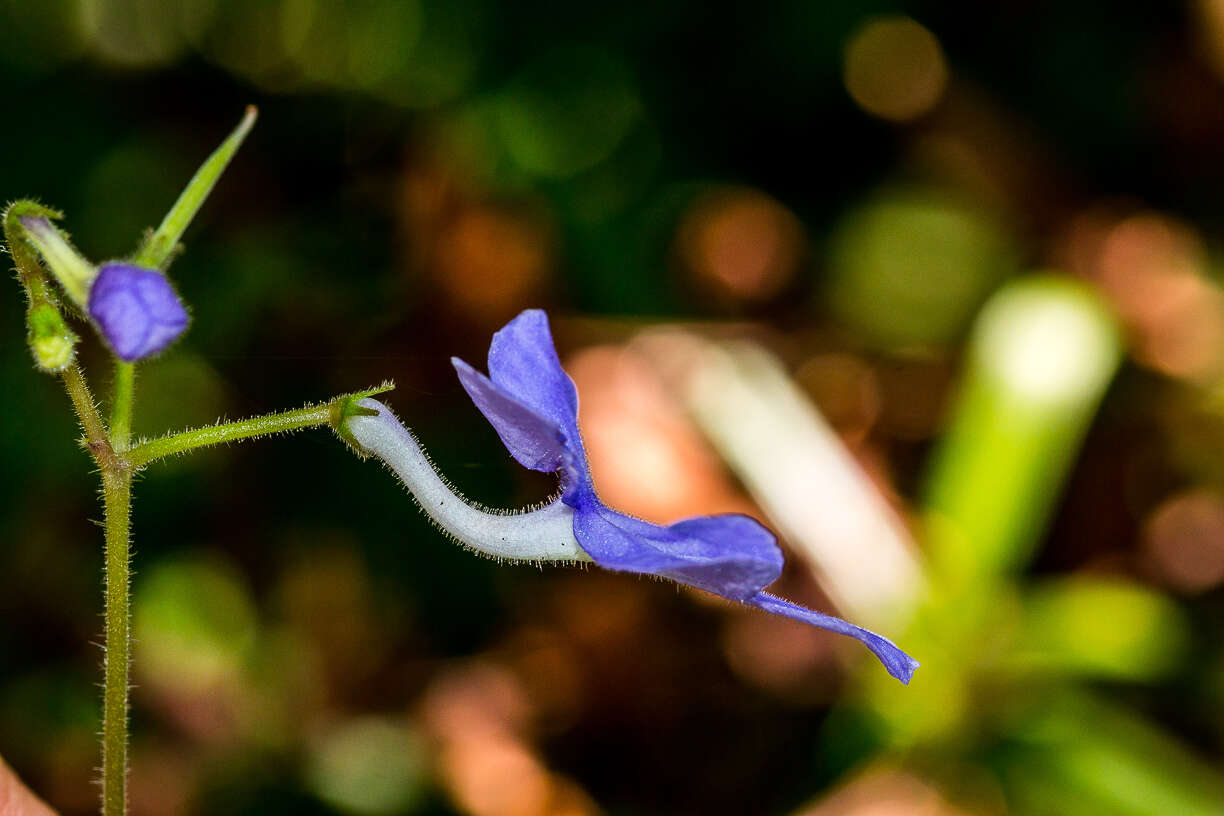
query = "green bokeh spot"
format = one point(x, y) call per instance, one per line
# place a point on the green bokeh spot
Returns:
point(567, 112)
point(194, 622)
point(910, 267)
point(1108, 627)
point(369, 767)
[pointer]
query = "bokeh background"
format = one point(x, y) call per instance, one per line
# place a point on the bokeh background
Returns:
point(932, 288)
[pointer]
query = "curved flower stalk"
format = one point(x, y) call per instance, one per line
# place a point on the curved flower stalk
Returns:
point(545, 534)
point(533, 405)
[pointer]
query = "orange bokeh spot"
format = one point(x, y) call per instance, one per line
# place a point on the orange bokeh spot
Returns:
point(1184, 540)
point(489, 261)
point(741, 244)
point(1152, 268)
point(895, 69)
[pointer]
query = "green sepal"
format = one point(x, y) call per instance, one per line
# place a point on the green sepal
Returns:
point(52, 343)
point(25, 257)
point(26, 207)
point(345, 406)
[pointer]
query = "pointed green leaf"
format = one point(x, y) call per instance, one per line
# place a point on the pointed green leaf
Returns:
point(159, 247)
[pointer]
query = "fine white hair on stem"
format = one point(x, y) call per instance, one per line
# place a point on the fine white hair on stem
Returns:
point(543, 534)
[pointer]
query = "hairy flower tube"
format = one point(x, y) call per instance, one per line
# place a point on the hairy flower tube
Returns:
point(136, 310)
point(533, 405)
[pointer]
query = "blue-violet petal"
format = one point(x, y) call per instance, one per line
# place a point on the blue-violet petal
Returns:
point(730, 555)
point(535, 443)
point(898, 663)
point(136, 310)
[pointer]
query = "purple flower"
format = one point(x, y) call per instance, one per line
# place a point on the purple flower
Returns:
point(533, 405)
point(136, 310)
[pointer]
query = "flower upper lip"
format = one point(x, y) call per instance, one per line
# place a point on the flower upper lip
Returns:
point(533, 405)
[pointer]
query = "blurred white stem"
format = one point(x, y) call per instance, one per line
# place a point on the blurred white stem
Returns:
point(796, 468)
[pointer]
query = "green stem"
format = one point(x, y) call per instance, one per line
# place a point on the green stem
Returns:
point(117, 496)
point(117, 482)
point(1043, 351)
point(87, 413)
point(185, 441)
point(121, 409)
point(157, 250)
point(52, 343)
point(29, 272)
point(117, 491)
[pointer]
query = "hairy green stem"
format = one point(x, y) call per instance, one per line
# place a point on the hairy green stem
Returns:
point(123, 399)
point(52, 343)
point(117, 493)
point(29, 272)
point(117, 498)
point(185, 441)
point(87, 413)
point(117, 470)
point(117, 490)
point(28, 225)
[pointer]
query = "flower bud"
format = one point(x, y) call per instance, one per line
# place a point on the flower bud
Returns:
point(73, 272)
point(136, 310)
point(51, 341)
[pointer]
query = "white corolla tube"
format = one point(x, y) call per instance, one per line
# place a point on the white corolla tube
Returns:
point(543, 534)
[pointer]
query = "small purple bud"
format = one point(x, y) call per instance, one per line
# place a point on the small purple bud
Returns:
point(136, 310)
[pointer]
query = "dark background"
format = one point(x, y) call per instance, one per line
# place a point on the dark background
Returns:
point(844, 182)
